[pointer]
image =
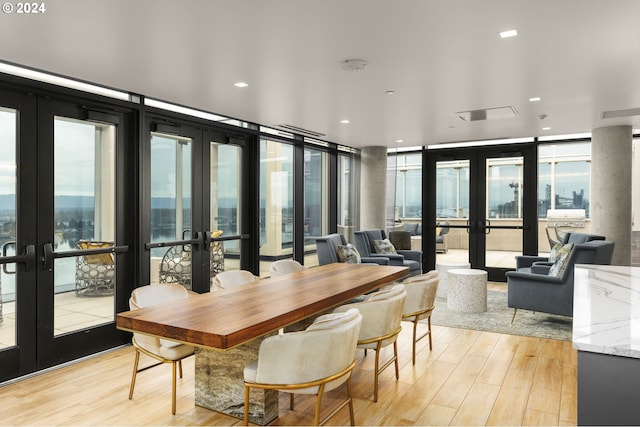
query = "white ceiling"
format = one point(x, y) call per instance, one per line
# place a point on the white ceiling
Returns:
point(581, 57)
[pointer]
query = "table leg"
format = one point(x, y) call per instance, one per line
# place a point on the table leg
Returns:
point(219, 381)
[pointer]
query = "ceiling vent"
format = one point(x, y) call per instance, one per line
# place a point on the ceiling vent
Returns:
point(301, 131)
point(621, 113)
point(488, 114)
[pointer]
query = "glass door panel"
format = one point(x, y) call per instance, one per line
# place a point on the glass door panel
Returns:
point(452, 211)
point(504, 211)
point(8, 124)
point(84, 219)
point(170, 203)
point(224, 212)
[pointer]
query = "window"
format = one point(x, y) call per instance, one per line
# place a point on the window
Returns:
point(276, 198)
point(564, 171)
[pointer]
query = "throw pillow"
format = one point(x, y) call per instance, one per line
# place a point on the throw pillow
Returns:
point(562, 254)
point(553, 255)
point(383, 247)
point(348, 253)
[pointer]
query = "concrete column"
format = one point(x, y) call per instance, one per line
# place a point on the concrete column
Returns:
point(373, 187)
point(611, 159)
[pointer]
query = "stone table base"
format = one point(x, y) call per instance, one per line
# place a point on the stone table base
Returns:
point(219, 381)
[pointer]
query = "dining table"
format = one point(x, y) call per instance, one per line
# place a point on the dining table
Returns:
point(227, 326)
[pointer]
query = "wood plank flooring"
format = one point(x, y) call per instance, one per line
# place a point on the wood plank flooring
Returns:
point(470, 378)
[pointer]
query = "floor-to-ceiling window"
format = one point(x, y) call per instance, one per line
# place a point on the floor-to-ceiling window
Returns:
point(564, 172)
point(276, 201)
point(348, 188)
point(316, 198)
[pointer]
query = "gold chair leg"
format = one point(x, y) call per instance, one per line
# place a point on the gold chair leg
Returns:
point(173, 388)
point(515, 310)
point(415, 334)
point(180, 367)
point(291, 400)
point(429, 324)
point(351, 413)
point(395, 357)
point(316, 420)
point(135, 371)
point(375, 373)
point(246, 405)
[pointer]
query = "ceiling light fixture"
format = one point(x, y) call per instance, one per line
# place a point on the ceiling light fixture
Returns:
point(241, 84)
point(390, 92)
point(508, 33)
point(354, 64)
point(345, 121)
point(546, 128)
point(399, 141)
point(535, 99)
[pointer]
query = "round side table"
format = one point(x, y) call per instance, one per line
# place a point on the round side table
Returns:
point(442, 268)
point(467, 290)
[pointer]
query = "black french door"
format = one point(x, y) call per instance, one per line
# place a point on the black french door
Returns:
point(66, 187)
point(486, 201)
point(198, 200)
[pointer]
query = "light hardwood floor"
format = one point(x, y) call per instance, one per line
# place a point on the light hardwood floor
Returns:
point(470, 378)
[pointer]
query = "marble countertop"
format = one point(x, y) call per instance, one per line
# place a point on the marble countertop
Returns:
point(606, 310)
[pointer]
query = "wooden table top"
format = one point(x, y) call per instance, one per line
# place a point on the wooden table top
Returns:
point(230, 317)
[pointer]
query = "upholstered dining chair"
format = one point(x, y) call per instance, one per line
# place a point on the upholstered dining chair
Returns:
point(164, 351)
point(313, 361)
point(381, 323)
point(230, 278)
point(285, 266)
point(419, 305)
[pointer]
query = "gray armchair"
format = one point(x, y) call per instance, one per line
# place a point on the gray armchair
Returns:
point(526, 261)
point(533, 288)
point(407, 258)
point(327, 247)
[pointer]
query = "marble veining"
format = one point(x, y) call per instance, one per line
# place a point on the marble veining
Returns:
point(606, 310)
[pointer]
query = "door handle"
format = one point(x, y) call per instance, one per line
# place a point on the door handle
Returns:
point(47, 256)
point(487, 226)
point(28, 257)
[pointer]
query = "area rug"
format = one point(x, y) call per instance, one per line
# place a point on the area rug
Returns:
point(497, 318)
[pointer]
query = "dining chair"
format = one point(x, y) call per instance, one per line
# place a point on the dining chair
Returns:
point(381, 323)
point(285, 266)
point(419, 305)
point(164, 351)
point(313, 361)
point(230, 278)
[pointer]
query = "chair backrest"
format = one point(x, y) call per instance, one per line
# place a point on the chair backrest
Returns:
point(591, 252)
point(97, 259)
point(573, 237)
point(421, 295)
point(230, 278)
point(284, 266)
point(381, 313)
point(327, 248)
point(400, 239)
point(325, 348)
point(444, 228)
point(364, 240)
point(149, 295)
point(420, 277)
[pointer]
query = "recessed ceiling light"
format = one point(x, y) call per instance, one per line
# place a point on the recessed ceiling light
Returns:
point(546, 128)
point(535, 99)
point(345, 121)
point(241, 84)
point(398, 141)
point(390, 92)
point(508, 33)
